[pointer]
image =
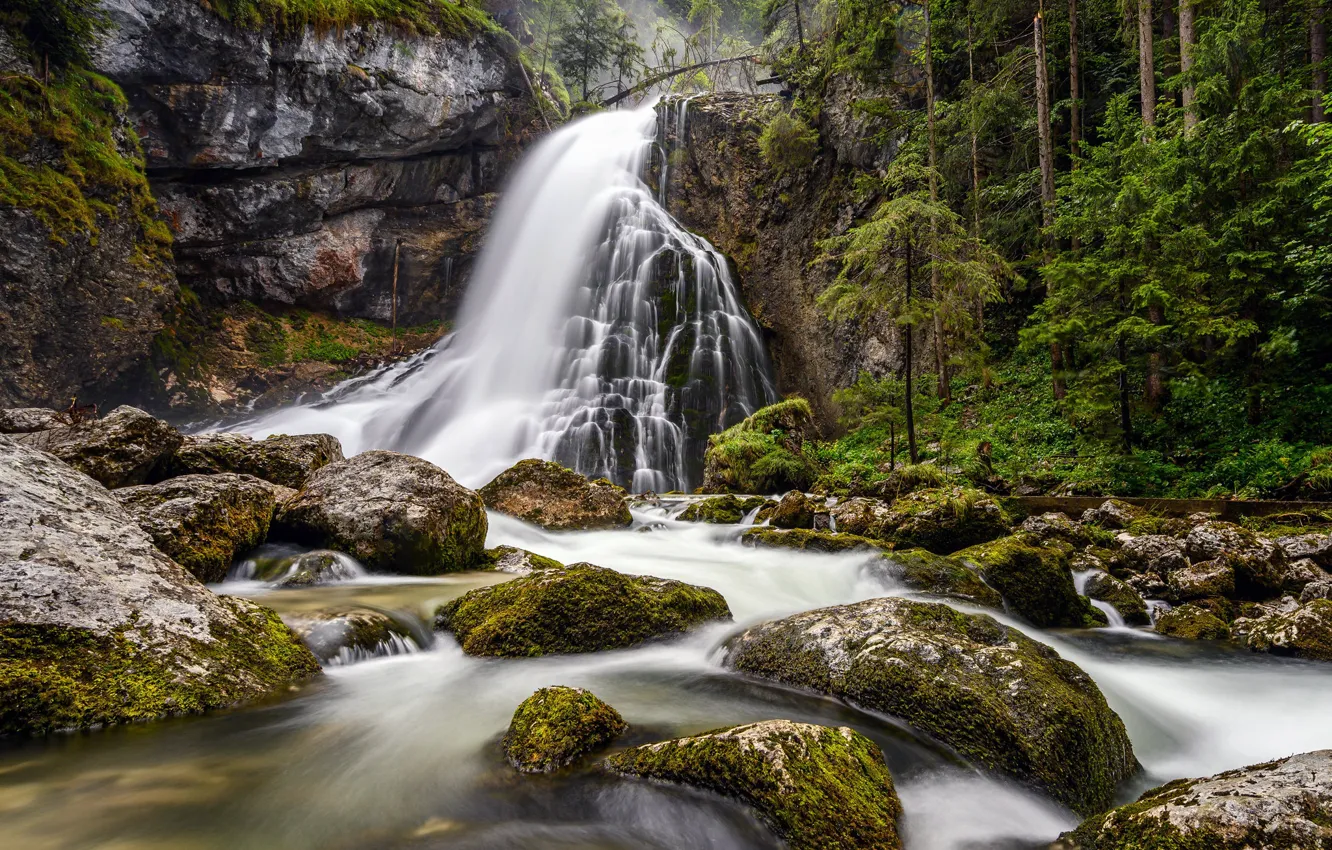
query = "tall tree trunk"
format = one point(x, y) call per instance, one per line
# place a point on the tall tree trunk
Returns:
point(975, 135)
point(1074, 86)
point(909, 407)
point(1146, 63)
point(800, 26)
point(1188, 37)
point(1317, 57)
point(1045, 136)
point(1121, 352)
point(940, 341)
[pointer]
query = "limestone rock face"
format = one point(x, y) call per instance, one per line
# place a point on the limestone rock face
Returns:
point(392, 512)
point(97, 626)
point(578, 608)
point(998, 697)
point(1305, 632)
point(283, 460)
point(203, 521)
point(555, 727)
point(817, 787)
point(121, 449)
point(546, 494)
point(1285, 803)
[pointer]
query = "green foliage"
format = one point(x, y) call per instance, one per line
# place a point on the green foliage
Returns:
point(431, 17)
point(788, 143)
point(763, 454)
point(58, 33)
point(596, 35)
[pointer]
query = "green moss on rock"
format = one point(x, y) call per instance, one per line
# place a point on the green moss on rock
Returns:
point(762, 454)
point(557, 499)
point(555, 727)
point(921, 570)
point(1192, 622)
point(581, 608)
point(511, 559)
point(1305, 632)
point(1120, 596)
point(817, 787)
point(808, 539)
point(283, 460)
point(944, 520)
point(1035, 582)
point(721, 510)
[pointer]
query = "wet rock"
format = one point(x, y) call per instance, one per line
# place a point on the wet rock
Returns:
point(1153, 553)
point(1321, 589)
point(1192, 622)
point(1035, 581)
point(392, 512)
point(322, 566)
point(924, 571)
point(721, 510)
point(1054, 526)
point(1305, 632)
point(1113, 514)
point(581, 608)
point(944, 520)
point(119, 450)
point(1316, 546)
point(1300, 574)
point(555, 727)
point(520, 562)
point(25, 420)
point(350, 634)
point(1119, 595)
point(98, 627)
point(861, 516)
point(795, 510)
point(1285, 803)
point(546, 494)
point(203, 521)
point(1201, 580)
point(1258, 563)
point(817, 787)
point(808, 539)
point(283, 460)
point(998, 697)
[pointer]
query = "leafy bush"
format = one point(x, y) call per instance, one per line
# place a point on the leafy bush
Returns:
point(788, 143)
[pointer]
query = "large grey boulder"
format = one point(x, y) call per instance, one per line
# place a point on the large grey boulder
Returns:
point(98, 627)
point(390, 511)
point(121, 449)
point(558, 499)
point(1284, 804)
point(25, 420)
point(1001, 699)
point(281, 459)
point(1314, 545)
point(203, 521)
point(1159, 554)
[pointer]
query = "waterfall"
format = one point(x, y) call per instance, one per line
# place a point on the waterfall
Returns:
point(596, 331)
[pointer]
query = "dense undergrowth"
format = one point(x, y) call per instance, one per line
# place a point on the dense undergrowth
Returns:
point(431, 17)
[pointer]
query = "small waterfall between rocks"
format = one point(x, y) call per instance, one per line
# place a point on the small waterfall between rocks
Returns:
point(596, 332)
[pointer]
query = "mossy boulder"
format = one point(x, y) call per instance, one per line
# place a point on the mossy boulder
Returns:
point(555, 727)
point(721, 510)
point(1034, 580)
point(860, 515)
point(762, 454)
point(281, 459)
point(807, 539)
point(1201, 581)
point(99, 627)
point(311, 569)
point(557, 499)
point(1280, 805)
point(1192, 622)
point(203, 521)
point(927, 572)
point(1001, 699)
point(1055, 526)
point(1305, 632)
point(121, 449)
point(392, 512)
point(349, 634)
point(816, 787)
point(1259, 565)
point(794, 510)
point(519, 562)
point(1120, 596)
point(580, 608)
point(943, 520)
point(1114, 514)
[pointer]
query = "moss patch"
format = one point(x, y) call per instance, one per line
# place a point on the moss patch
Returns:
point(762, 454)
point(721, 510)
point(808, 539)
point(921, 570)
point(427, 17)
point(554, 727)
point(1192, 622)
point(1035, 582)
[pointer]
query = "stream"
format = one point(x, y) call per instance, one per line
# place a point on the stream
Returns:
point(402, 752)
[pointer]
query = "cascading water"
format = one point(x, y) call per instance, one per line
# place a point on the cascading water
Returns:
point(596, 332)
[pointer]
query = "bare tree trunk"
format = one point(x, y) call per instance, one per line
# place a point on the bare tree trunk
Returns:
point(1318, 57)
point(975, 166)
point(1074, 86)
point(1188, 37)
point(940, 341)
point(909, 406)
point(800, 26)
point(1146, 63)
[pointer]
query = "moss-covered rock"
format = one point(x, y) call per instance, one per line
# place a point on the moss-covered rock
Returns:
point(794, 510)
point(1201, 581)
point(1113, 513)
point(1035, 582)
point(944, 520)
point(392, 512)
point(808, 539)
point(546, 494)
point(1280, 805)
point(1303, 633)
point(349, 634)
point(1120, 596)
point(519, 562)
point(762, 454)
point(721, 510)
point(1001, 699)
point(1055, 526)
point(860, 515)
point(121, 449)
point(98, 627)
point(925, 571)
point(817, 787)
point(1259, 565)
point(203, 521)
point(310, 569)
point(580, 608)
point(1192, 622)
point(555, 727)
point(281, 459)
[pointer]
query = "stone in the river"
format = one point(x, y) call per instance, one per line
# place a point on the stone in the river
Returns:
point(816, 787)
point(349, 634)
point(121, 449)
point(283, 460)
point(581, 608)
point(1259, 564)
point(203, 521)
point(557, 499)
point(941, 575)
point(1192, 622)
point(25, 420)
point(1120, 596)
point(1305, 632)
point(1034, 580)
point(98, 627)
point(520, 562)
point(392, 512)
point(1316, 545)
point(860, 515)
point(807, 539)
point(322, 566)
point(795, 510)
point(1113, 514)
point(1280, 805)
point(1202, 580)
point(1001, 699)
point(943, 520)
point(1152, 553)
point(721, 510)
point(1054, 526)
point(556, 726)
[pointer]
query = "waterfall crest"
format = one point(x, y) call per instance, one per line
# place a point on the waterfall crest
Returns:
point(596, 331)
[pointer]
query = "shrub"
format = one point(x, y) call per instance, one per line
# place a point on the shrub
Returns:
point(788, 143)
